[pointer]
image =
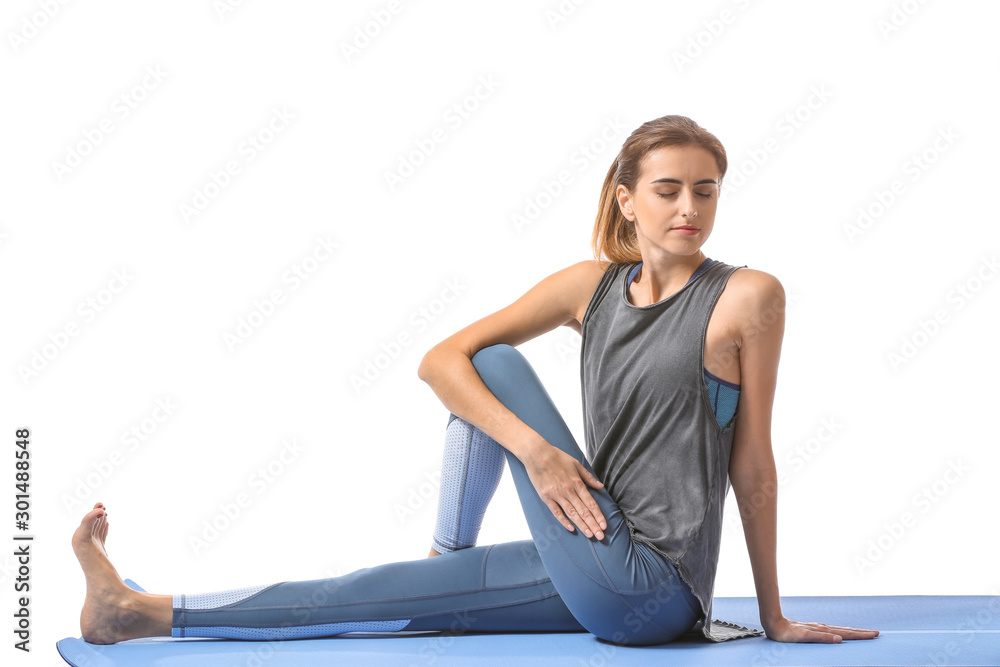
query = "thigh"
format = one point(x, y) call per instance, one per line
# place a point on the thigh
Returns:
point(619, 589)
point(513, 594)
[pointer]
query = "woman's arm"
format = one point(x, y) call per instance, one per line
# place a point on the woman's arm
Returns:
point(447, 368)
point(751, 463)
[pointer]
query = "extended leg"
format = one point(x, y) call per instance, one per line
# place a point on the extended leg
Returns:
point(494, 588)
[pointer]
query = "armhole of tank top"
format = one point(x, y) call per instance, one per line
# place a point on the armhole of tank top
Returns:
point(603, 285)
point(703, 387)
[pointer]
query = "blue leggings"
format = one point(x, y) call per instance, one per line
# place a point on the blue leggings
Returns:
point(559, 581)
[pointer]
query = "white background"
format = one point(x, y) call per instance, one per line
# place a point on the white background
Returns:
point(885, 95)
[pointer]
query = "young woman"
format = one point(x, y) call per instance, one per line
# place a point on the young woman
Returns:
point(625, 541)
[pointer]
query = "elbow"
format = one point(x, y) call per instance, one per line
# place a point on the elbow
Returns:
point(426, 367)
point(423, 369)
point(438, 360)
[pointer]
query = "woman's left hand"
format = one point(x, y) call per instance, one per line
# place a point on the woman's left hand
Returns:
point(784, 630)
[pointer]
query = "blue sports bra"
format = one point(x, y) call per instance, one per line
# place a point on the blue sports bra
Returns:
point(723, 395)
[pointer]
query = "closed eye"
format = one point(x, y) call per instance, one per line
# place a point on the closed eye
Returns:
point(668, 196)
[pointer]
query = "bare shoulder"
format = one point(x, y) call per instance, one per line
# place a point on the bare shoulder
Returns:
point(750, 295)
point(752, 283)
point(588, 273)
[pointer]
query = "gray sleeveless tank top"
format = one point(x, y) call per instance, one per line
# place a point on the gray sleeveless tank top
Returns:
point(651, 433)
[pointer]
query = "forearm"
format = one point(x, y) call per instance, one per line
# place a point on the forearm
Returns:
point(756, 495)
point(453, 378)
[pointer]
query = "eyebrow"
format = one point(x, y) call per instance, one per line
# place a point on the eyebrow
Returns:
point(678, 182)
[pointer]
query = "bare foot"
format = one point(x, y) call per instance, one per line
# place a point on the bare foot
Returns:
point(113, 612)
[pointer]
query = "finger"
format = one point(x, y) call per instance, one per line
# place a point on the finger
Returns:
point(818, 636)
point(849, 628)
point(558, 514)
point(591, 503)
point(590, 477)
point(593, 517)
point(838, 628)
point(853, 633)
point(574, 514)
point(582, 516)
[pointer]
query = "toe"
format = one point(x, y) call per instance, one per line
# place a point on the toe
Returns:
point(92, 517)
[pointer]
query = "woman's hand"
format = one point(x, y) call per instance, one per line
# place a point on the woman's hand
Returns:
point(784, 630)
point(561, 482)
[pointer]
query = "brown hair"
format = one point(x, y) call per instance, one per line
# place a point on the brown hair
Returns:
point(614, 235)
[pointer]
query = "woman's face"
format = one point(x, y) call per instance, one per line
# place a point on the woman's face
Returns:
point(678, 186)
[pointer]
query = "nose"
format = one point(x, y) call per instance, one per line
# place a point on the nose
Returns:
point(687, 204)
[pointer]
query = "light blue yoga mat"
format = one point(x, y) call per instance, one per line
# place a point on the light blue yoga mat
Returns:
point(915, 630)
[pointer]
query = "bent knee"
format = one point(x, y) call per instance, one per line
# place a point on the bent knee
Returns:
point(501, 352)
point(500, 360)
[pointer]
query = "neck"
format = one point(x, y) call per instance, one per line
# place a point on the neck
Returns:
point(660, 277)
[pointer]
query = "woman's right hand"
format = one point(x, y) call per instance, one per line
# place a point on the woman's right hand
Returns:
point(561, 482)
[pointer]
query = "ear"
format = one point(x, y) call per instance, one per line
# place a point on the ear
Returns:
point(625, 202)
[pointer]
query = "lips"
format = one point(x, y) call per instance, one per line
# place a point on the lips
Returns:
point(693, 229)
